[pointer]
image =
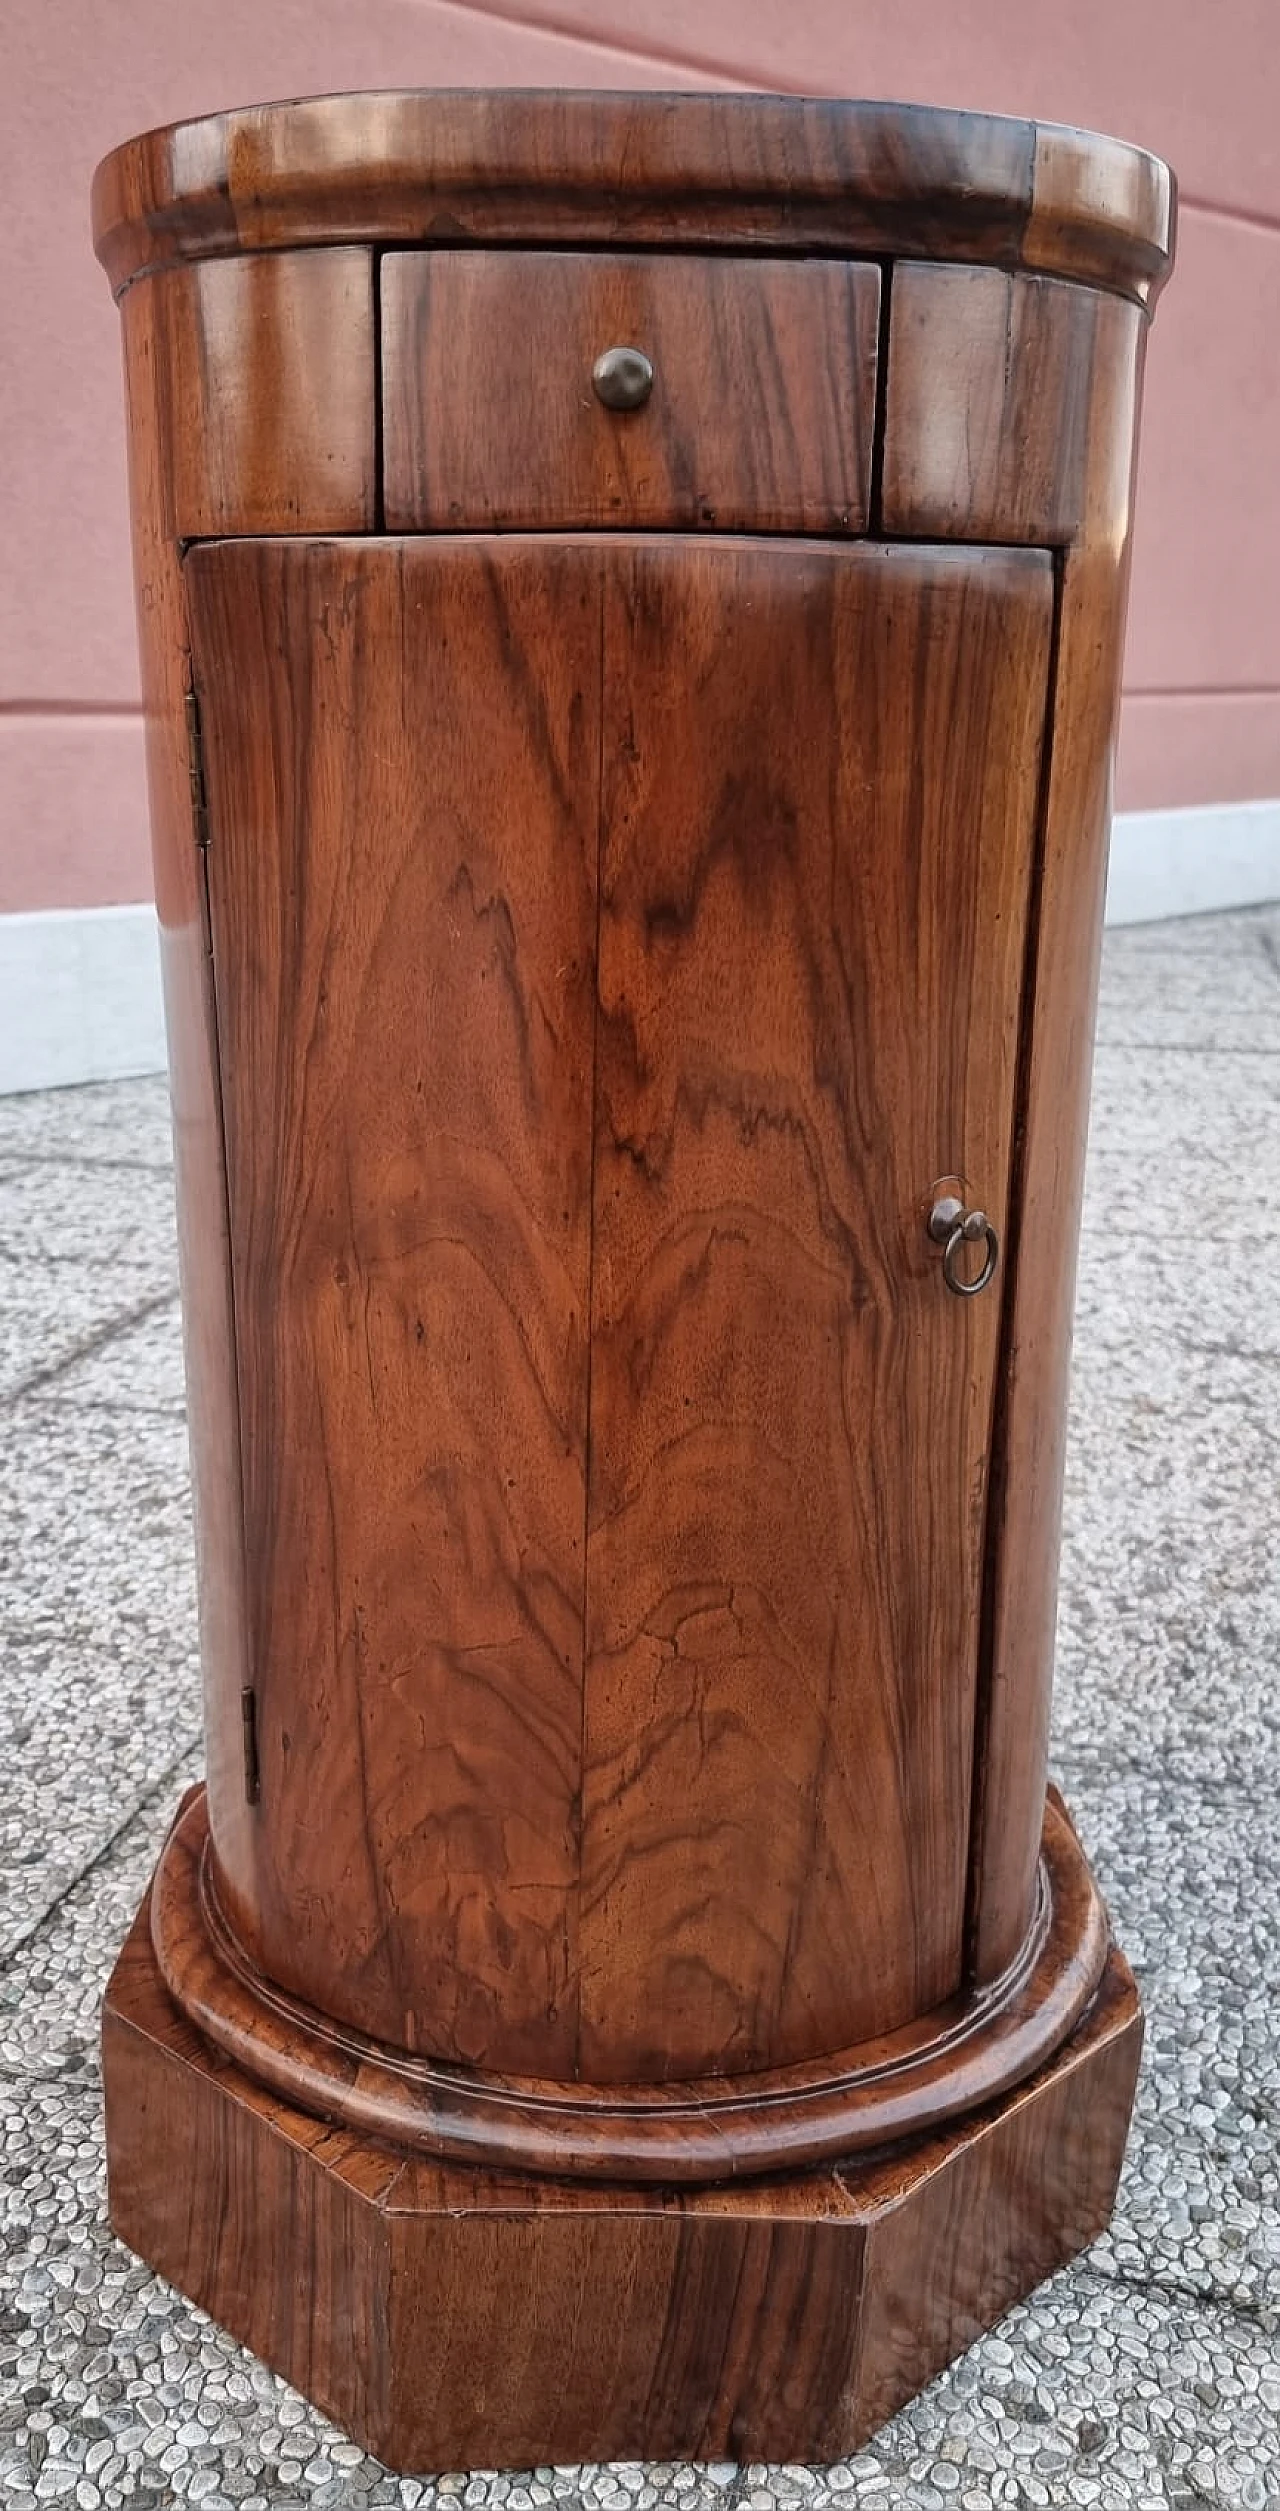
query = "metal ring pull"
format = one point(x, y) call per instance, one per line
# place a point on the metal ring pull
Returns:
point(622, 379)
point(951, 1227)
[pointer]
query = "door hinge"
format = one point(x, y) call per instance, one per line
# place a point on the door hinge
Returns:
point(195, 770)
point(249, 1723)
point(199, 813)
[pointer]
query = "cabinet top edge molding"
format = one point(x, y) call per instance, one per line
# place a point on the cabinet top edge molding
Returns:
point(687, 170)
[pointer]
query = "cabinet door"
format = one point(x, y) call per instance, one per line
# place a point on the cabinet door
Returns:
point(402, 753)
point(630, 933)
point(818, 820)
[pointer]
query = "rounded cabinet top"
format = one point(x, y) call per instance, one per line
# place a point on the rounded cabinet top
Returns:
point(722, 171)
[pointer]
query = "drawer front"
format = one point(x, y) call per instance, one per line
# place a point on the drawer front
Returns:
point(759, 417)
point(991, 396)
point(265, 363)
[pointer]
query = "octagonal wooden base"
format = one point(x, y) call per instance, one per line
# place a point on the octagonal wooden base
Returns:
point(450, 2318)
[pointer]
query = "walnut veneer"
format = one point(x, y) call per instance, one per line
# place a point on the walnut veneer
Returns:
point(619, 869)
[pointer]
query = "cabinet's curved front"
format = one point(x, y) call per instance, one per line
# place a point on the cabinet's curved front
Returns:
point(613, 944)
point(630, 736)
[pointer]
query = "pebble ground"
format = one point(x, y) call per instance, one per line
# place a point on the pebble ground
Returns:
point(1145, 2376)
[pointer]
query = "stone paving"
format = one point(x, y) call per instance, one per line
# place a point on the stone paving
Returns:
point(1148, 2374)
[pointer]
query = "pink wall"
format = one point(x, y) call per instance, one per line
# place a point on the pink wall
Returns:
point(1202, 718)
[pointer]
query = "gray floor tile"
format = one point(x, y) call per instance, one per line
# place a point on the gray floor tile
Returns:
point(1221, 938)
point(1230, 1190)
point(60, 1218)
point(1194, 1894)
point(98, 1666)
point(1211, 984)
point(137, 1369)
point(51, 1986)
point(60, 1809)
point(124, 1122)
point(1158, 1305)
point(1175, 1106)
point(81, 1249)
point(48, 1320)
point(1169, 1627)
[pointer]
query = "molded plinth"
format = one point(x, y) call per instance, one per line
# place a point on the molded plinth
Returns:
point(733, 2127)
point(448, 2316)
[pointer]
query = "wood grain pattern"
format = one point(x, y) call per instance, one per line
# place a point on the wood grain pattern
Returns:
point(761, 1269)
point(266, 368)
point(817, 835)
point(1082, 194)
point(402, 891)
point(800, 174)
point(1027, 2187)
point(987, 411)
point(1028, 1449)
point(452, 2318)
point(204, 1256)
point(760, 417)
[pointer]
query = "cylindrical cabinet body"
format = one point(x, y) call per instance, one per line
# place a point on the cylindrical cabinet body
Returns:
point(631, 598)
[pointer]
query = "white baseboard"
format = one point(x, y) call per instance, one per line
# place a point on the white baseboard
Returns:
point(80, 986)
point(79, 997)
point(1196, 862)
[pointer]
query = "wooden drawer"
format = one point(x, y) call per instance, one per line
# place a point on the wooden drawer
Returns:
point(760, 416)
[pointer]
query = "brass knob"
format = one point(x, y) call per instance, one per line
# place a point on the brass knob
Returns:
point(952, 1228)
point(623, 379)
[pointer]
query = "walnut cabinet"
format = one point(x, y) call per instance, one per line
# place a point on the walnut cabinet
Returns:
point(631, 596)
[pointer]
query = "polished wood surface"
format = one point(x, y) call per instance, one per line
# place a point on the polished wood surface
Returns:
point(521, 2322)
point(464, 1850)
point(790, 173)
point(1026, 2188)
point(1082, 194)
point(596, 929)
point(807, 1018)
point(402, 757)
point(267, 371)
point(988, 405)
point(760, 416)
